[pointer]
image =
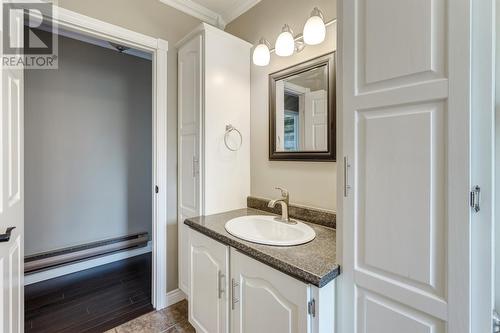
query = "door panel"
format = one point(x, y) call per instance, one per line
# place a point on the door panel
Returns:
point(268, 301)
point(14, 131)
point(404, 243)
point(414, 51)
point(209, 269)
point(280, 116)
point(11, 285)
point(316, 120)
point(417, 233)
point(380, 315)
point(189, 126)
point(12, 188)
point(190, 197)
point(189, 115)
point(256, 291)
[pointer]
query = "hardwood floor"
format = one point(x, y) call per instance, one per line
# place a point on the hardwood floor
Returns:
point(94, 300)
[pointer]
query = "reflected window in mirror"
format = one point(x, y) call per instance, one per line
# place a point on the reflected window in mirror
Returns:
point(302, 111)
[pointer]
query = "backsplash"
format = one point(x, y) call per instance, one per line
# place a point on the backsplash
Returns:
point(313, 215)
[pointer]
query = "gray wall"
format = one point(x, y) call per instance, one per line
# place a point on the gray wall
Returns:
point(155, 19)
point(88, 148)
point(309, 183)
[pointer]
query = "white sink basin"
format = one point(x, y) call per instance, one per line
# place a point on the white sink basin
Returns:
point(266, 230)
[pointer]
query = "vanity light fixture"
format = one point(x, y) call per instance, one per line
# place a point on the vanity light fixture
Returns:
point(314, 33)
point(315, 29)
point(261, 53)
point(285, 44)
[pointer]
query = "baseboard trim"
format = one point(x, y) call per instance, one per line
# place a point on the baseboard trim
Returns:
point(83, 265)
point(69, 255)
point(175, 296)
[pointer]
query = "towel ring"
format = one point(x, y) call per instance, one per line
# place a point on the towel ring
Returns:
point(230, 128)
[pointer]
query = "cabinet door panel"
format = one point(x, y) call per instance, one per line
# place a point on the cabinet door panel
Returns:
point(405, 122)
point(208, 305)
point(266, 300)
point(190, 199)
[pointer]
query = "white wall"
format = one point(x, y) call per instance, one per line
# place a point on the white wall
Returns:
point(155, 19)
point(309, 183)
point(88, 147)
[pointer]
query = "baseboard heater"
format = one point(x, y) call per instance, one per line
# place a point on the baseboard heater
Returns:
point(47, 260)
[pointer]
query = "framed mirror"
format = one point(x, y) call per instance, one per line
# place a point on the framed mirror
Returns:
point(302, 111)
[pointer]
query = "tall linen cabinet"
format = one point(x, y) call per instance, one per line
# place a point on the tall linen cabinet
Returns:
point(213, 92)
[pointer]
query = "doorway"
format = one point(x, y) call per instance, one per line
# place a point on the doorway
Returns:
point(12, 252)
point(88, 184)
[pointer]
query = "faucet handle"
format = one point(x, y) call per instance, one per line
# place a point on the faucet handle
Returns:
point(284, 192)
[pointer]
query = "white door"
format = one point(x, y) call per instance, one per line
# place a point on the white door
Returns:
point(405, 136)
point(190, 98)
point(209, 270)
point(316, 124)
point(280, 116)
point(12, 191)
point(265, 300)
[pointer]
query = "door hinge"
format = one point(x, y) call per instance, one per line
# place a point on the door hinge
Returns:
point(495, 322)
point(311, 307)
point(475, 198)
point(157, 189)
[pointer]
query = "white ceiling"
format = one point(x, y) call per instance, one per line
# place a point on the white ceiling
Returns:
point(215, 12)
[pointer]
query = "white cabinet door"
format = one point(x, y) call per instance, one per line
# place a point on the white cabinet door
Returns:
point(209, 269)
point(405, 133)
point(265, 300)
point(12, 188)
point(190, 99)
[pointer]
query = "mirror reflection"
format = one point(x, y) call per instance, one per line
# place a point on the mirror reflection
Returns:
point(302, 111)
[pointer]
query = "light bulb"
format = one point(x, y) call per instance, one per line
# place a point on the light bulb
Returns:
point(261, 54)
point(285, 44)
point(314, 29)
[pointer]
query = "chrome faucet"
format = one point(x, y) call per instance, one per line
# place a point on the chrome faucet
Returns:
point(284, 202)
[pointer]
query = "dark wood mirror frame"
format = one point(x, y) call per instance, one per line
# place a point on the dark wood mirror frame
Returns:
point(327, 60)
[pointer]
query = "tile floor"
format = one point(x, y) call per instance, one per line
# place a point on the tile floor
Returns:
point(173, 319)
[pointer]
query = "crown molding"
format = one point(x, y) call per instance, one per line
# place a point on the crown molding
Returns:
point(238, 9)
point(196, 10)
point(219, 20)
point(204, 27)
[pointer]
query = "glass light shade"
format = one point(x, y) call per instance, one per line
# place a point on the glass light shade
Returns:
point(261, 54)
point(314, 29)
point(285, 44)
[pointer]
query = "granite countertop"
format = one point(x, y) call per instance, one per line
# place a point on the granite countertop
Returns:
point(314, 262)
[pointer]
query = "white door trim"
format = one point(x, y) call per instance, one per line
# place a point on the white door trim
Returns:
point(82, 24)
point(483, 164)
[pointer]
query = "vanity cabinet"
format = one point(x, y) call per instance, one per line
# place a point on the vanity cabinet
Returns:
point(251, 297)
point(213, 95)
point(265, 300)
point(208, 272)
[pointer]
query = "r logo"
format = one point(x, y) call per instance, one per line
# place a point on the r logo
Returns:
point(27, 18)
point(29, 32)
